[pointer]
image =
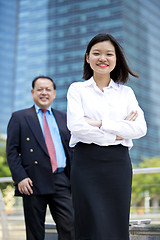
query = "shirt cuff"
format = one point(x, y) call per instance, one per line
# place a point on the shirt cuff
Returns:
point(108, 125)
point(109, 138)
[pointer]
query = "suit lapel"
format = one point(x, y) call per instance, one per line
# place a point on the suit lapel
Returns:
point(34, 124)
point(59, 122)
point(56, 117)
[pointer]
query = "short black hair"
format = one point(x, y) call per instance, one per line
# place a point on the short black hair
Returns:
point(43, 77)
point(121, 71)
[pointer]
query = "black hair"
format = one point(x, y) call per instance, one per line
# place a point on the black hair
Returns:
point(43, 77)
point(121, 71)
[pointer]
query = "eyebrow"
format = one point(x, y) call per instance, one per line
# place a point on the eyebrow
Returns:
point(100, 50)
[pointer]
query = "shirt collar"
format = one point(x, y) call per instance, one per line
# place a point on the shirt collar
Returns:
point(112, 84)
point(37, 108)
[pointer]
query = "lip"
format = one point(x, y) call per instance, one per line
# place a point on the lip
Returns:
point(44, 99)
point(102, 65)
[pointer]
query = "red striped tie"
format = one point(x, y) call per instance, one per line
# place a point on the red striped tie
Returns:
point(49, 142)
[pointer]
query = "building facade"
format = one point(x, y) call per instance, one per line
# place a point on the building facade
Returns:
point(50, 37)
point(8, 37)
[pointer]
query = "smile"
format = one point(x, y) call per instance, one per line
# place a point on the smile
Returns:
point(102, 65)
point(44, 99)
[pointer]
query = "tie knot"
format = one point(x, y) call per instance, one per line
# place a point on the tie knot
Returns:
point(44, 110)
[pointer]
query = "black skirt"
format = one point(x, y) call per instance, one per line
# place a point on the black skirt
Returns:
point(101, 179)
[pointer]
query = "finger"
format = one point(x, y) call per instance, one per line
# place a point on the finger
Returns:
point(30, 182)
point(21, 191)
point(133, 117)
point(129, 116)
point(20, 188)
point(29, 187)
point(27, 191)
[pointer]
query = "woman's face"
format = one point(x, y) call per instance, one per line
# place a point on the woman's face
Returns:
point(102, 57)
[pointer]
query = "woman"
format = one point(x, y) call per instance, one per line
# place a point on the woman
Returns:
point(103, 116)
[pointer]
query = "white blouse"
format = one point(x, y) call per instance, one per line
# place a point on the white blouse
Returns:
point(111, 106)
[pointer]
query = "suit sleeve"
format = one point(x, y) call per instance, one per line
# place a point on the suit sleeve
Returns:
point(13, 150)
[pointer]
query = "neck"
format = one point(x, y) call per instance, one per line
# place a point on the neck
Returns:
point(102, 80)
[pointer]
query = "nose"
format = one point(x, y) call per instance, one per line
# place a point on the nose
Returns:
point(102, 57)
point(44, 91)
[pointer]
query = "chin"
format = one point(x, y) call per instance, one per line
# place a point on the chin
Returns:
point(43, 106)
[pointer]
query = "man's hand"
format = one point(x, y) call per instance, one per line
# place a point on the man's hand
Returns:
point(25, 186)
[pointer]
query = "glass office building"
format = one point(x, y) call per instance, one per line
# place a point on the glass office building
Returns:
point(8, 35)
point(51, 38)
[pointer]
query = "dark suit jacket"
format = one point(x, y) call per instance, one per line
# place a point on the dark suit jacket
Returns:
point(27, 153)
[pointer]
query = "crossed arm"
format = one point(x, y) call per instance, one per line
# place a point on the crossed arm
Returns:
point(95, 123)
point(25, 186)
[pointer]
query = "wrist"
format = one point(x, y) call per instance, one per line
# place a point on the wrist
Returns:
point(99, 124)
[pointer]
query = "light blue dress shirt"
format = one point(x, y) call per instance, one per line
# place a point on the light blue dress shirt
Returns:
point(60, 154)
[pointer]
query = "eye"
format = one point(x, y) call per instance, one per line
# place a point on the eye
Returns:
point(48, 89)
point(110, 54)
point(39, 90)
point(95, 53)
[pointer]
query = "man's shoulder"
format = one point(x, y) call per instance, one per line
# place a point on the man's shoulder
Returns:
point(61, 117)
point(23, 111)
point(58, 112)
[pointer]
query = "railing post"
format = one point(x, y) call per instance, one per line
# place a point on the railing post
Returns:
point(4, 222)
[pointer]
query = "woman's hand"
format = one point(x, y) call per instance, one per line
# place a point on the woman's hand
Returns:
point(92, 122)
point(131, 117)
point(95, 123)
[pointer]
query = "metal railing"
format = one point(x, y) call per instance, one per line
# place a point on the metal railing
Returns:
point(135, 171)
point(3, 216)
point(146, 170)
point(5, 179)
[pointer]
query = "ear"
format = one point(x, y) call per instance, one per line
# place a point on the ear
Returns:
point(54, 93)
point(32, 91)
point(87, 58)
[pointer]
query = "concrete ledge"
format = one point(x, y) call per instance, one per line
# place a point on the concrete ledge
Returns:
point(139, 222)
point(50, 231)
point(142, 232)
point(139, 230)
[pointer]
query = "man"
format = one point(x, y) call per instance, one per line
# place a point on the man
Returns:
point(41, 172)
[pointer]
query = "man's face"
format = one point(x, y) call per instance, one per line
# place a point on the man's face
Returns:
point(43, 93)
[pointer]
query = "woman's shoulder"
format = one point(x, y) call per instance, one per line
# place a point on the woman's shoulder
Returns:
point(125, 88)
point(83, 83)
point(126, 91)
point(77, 85)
